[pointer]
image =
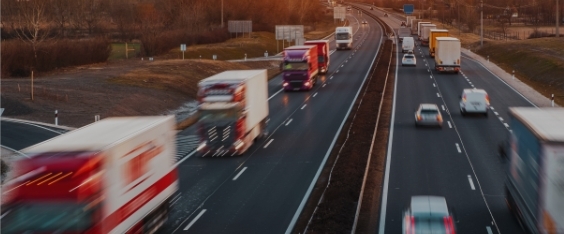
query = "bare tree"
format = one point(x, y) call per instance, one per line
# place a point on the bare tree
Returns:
point(60, 12)
point(30, 21)
point(123, 15)
point(85, 15)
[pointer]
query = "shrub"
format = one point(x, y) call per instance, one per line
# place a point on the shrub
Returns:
point(18, 59)
point(165, 41)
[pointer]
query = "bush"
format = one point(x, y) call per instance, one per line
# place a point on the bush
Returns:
point(165, 41)
point(18, 59)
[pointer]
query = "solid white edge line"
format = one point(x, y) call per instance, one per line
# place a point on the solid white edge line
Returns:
point(239, 174)
point(303, 106)
point(267, 144)
point(458, 148)
point(471, 182)
point(384, 205)
point(275, 94)
point(312, 185)
point(289, 121)
point(489, 229)
point(195, 219)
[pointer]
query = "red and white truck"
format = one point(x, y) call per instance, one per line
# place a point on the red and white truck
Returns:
point(233, 108)
point(322, 54)
point(116, 175)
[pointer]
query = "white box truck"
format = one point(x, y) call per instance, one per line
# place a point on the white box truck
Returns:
point(447, 54)
point(409, 19)
point(117, 175)
point(414, 25)
point(404, 32)
point(419, 24)
point(425, 31)
point(344, 37)
point(233, 108)
point(535, 180)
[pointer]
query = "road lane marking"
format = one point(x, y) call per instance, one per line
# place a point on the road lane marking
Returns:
point(491, 107)
point(239, 174)
point(175, 201)
point(315, 94)
point(458, 148)
point(489, 229)
point(331, 78)
point(495, 112)
point(195, 219)
point(324, 85)
point(434, 85)
point(500, 119)
point(438, 95)
point(275, 94)
point(443, 106)
point(431, 76)
point(304, 106)
point(267, 144)
point(506, 125)
point(343, 65)
point(337, 71)
point(471, 182)
point(449, 126)
point(289, 121)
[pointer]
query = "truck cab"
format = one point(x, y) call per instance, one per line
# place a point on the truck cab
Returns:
point(322, 54)
point(344, 37)
point(300, 68)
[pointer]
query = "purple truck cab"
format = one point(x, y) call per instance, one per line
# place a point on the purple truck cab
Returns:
point(300, 68)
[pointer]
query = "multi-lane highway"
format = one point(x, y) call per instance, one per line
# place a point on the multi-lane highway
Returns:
point(459, 161)
point(264, 190)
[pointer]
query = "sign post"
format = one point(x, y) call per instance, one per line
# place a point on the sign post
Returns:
point(182, 48)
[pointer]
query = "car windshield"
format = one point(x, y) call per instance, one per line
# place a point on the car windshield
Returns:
point(428, 224)
point(343, 36)
point(409, 56)
point(296, 66)
point(48, 218)
point(215, 115)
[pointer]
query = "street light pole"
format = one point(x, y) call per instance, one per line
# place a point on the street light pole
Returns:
point(481, 23)
point(557, 19)
point(221, 13)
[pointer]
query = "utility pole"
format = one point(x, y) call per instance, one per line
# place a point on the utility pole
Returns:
point(458, 21)
point(481, 23)
point(557, 19)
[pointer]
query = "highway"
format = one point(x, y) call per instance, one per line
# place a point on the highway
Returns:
point(263, 190)
point(459, 161)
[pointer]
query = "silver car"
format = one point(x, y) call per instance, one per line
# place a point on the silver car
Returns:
point(408, 60)
point(428, 114)
point(428, 214)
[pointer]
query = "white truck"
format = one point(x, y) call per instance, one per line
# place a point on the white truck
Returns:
point(419, 24)
point(344, 37)
point(404, 32)
point(233, 108)
point(409, 19)
point(414, 26)
point(447, 54)
point(117, 175)
point(535, 180)
point(425, 31)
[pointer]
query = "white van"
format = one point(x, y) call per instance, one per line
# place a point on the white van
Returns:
point(407, 44)
point(474, 101)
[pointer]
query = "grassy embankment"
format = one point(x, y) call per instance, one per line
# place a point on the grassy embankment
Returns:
point(537, 62)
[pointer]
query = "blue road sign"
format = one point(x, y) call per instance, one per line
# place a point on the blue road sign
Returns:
point(408, 9)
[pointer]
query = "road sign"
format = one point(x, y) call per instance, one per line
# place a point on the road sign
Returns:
point(408, 9)
point(339, 12)
point(240, 26)
point(182, 47)
point(289, 32)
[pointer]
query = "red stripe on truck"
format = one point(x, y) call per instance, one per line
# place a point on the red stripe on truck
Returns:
point(124, 212)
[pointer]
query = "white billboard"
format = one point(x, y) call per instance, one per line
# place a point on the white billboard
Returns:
point(289, 32)
point(240, 26)
point(339, 12)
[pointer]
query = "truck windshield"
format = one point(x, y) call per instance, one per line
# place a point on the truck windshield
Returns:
point(296, 66)
point(214, 115)
point(343, 36)
point(48, 218)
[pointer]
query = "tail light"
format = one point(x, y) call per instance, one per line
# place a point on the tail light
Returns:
point(439, 118)
point(449, 225)
point(418, 117)
point(409, 225)
point(240, 128)
point(488, 99)
point(464, 98)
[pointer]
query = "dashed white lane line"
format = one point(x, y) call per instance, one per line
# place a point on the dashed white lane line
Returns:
point(471, 182)
point(337, 71)
point(458, 147)
point(431, 76)
point(315, 94)
point(506, 125)
point(443, 106)
point(331, 78)
point(500, 119)
point(438, 95)
point(195, 219)
point(495, 112)
point(491, 107)
point(434, 85)
point(489, 229)
point(289, 121)
point(303, 106)
point(449, 125)
point(239, 174)
point(267, 144)
point(324, 85)
point(343, 65)
point(275, 94)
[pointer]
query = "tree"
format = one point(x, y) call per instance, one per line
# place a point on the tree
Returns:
point(60, 13)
